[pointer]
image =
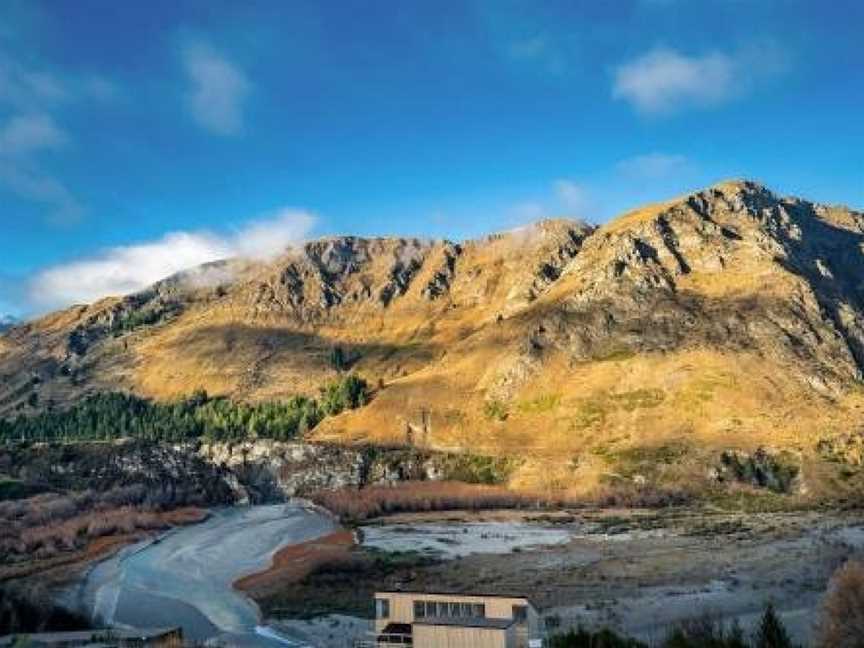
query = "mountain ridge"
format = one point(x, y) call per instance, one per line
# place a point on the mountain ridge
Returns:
point(727, 318)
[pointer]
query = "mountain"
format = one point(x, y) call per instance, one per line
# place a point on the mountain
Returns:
point(718, 323)
point(7, 322)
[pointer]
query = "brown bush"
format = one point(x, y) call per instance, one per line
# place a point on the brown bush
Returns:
point(842, 621)
point(354, 505)
point(44, 526)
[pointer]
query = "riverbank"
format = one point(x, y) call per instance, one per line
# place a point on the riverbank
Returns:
point(292, 563)
point(186, 578)
point(69, 565)
point(638, 571)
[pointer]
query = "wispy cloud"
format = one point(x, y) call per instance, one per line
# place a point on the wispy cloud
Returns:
point(22, 138)
point(563, 197)
point(24, 134)
point(525, 212)
point(664, 80)
point(654, 166)
point(574, 196)
point(539, 50)
point(31, 184)
point(129, 268)
point(31, 96)
point(25, 88)
point(217, 91)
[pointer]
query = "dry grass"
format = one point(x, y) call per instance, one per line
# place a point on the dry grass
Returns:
point(441, 360)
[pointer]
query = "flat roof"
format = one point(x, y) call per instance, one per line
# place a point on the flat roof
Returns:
point(466, 622)
point(460, 594)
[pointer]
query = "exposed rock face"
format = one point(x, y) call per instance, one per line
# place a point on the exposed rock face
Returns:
point(219, 473)
point(732, 267)
point(740, 311)
point(270, 470)
point(170, 475)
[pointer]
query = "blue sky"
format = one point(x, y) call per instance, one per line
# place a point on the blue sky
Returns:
point(138, 137)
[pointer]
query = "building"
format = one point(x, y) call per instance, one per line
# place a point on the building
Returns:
point(113, 638)
point(427, 620)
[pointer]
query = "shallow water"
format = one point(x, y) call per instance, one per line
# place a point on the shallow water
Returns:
point(452, 540)
point(186, 577)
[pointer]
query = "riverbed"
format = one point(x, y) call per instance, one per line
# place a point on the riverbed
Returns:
point(185, 577)
point(636, 571)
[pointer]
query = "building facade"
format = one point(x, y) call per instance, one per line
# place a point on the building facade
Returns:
point(433, 620)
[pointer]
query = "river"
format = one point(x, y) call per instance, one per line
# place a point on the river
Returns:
point(185, 578)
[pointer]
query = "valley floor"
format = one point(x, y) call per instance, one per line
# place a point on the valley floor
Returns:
point(637, 571)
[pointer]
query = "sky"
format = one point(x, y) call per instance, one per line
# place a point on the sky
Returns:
point(137, 139)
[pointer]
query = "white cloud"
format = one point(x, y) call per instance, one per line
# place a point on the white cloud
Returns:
point(573, 196)
point(654, 166)
point(126, 269)
point(664, 80)
point(218, 90)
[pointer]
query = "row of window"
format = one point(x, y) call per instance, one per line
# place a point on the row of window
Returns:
point(448, 609)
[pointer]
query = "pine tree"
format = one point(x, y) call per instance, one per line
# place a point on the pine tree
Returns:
point(771, 633)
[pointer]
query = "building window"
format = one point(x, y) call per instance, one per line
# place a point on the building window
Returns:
point(419, 609)
point(520, 613)
point(382, 608)
point(449, 610)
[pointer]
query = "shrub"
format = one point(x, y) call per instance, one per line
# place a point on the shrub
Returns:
point(705, 631)
point(495, 410)
point(354, 505)
point(28, 610)
point(761, 469)
point(842, 620)
point(349, 392)
point(771, 633)
point(582, 638)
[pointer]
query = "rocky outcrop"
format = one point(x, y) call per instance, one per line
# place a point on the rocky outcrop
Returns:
point(440, 282)
point(170, 475)
point(741, 308)
point(210, 474)
point(272, 470)
point(731, 267)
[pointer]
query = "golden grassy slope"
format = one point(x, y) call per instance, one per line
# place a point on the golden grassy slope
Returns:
point(713, 321)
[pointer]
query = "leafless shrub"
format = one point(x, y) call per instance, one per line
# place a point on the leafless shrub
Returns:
point(417, 496)
point(353, 504)
point(44, 526)
point(842, 620)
